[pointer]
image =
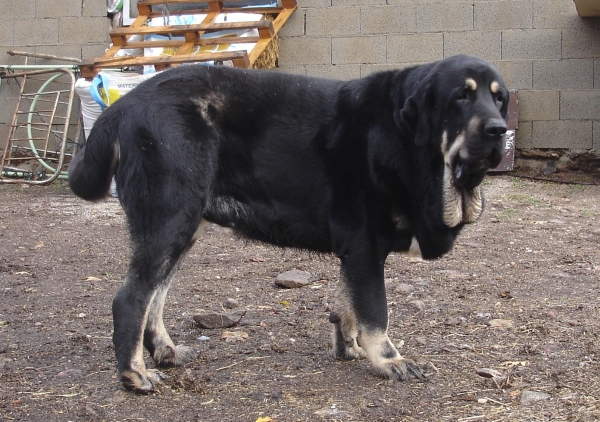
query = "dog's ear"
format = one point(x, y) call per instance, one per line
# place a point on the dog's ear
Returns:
point(415, 114)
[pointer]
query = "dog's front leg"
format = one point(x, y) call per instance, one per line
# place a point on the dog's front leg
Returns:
point(360, 318)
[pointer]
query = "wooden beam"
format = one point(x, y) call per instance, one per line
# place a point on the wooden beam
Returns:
point(182, 29)
point(587, 8)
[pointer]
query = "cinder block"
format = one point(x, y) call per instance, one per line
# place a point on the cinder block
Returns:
point(92, 30)
point(563, 74)
point(89, 51)
point(420, 2)
point(4, 127)
point(10, 93)
point(580, 43)
point(6, 33)
point(517, 74)
point(358, 50)
point(495, 15)
point(17, 9)
point(314, 3)
point(558, 14)
point(597, 73)
point(596, 136)
point(344, 72)
point(357, 2)
point(293, 70)
point(580, 105)
point(569, 134)
point(531, 44)
point(59, 9)
point(445, 17)
point(523, 135)
point(333, 21)
point(539, 105)
point(388, 19)
point(295, 25)
point(415, 48)
point(93, 8)
point(484, 44)
point(36, 32)
point(297, 51)
point(368, 69)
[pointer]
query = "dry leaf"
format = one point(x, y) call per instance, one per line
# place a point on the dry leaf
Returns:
point(233, 336)
point(501, 323)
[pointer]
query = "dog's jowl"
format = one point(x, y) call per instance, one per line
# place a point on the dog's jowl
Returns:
point(389, 162)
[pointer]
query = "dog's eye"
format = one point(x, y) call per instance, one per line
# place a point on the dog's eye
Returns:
point(499, 101)
point(463, 95)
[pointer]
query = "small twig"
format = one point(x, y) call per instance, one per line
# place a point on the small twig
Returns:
point(242, 361)
point(473, 418)
point(495, 401)
point(31, 368)
point(230, 366)
point(433, 366)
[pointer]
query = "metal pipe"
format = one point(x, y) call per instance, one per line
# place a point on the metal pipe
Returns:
point(11, 67)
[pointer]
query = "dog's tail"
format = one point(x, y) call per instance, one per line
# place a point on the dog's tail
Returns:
point(92, 169)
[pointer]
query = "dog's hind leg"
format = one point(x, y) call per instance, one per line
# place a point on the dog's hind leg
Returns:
point(164, 211)
point(156, 338)
point(137, 307)
point(360, 316)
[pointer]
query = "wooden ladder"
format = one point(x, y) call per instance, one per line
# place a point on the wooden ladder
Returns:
point(190, 36)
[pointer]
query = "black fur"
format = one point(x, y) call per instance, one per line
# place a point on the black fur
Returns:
point(323, 165)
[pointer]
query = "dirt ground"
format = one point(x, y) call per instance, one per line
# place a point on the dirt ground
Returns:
point(519, 295)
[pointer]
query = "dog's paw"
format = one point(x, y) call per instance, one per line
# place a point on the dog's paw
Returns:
point(400, 369)
point(168, 356)
point(142, 383)
point(348, 351)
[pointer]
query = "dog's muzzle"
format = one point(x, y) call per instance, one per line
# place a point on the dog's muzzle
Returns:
point(470, 170)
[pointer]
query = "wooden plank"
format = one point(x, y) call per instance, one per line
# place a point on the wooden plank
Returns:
point(142, 61)
point(188, 47)
point(277, 25)
point(158, 2)
point(137, 23)
point(257, 10)
point(587, 8)
point(182, 29)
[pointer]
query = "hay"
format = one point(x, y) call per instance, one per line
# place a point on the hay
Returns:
point(269, 59)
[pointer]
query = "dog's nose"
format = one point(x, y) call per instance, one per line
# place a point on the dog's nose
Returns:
point(495, 128)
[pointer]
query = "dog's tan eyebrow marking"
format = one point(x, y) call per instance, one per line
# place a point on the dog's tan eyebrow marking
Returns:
point(470, 83)
point(495, 87)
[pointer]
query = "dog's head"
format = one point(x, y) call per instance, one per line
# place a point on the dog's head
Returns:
point(460, 106)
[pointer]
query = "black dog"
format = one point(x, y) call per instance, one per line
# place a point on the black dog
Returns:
point(389, 162)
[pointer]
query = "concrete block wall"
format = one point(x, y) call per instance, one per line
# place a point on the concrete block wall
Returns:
point(72, 28)
point(543, 48)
